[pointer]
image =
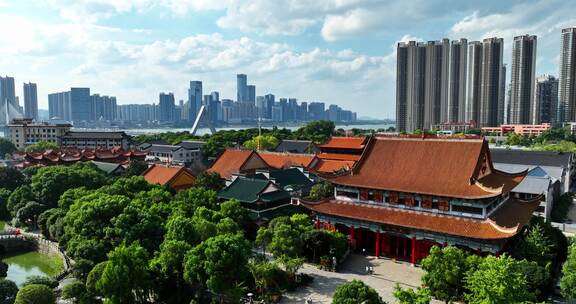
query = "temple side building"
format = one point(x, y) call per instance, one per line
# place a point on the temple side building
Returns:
point(407, 194)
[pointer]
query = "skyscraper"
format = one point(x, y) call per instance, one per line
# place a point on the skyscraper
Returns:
point(567, 86)
point(502, 98)
point(490, 87)
point(251, 93)
point(30, 101)
point(167, 107)
point(241, 88)
point(8, 106)
point(194, 100)
point(545, 99)
point(80, 104)
point(457, 80)
point(269, 104)
point(522, 82)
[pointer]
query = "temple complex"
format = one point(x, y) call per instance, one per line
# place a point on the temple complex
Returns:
point(405, 194)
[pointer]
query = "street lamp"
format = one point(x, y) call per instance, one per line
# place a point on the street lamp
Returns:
point(250, 296)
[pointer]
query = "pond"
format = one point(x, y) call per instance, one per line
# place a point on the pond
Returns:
point(24, 264)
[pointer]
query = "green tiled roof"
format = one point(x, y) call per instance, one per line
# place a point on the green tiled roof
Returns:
point(290, 177)
point(108, 167)
point(244, 189)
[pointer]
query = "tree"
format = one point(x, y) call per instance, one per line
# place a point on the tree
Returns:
point(233, 210)
point(11, 178)
point(537, 278)
point(219, 263)
point(136, 167)
point(191, 199)
point(568, 280)
point(42, 146)
point(170, 262)
point(6, 148)
point(18, 198)
point(82, 268)
point(40, 280)
point(262, 142)
point(410, 296)
point(35, 294)
point(30, 213)
point(498, 280)
point(4, 195)
point(536, 246)
point(210, 180)
point(77, 292)
point(263, 273)
point(321, 191)
point(445, 272)
point(8, 291)
point(125, 278)
point(355, 292)
point(318, 131)
point(51, 182)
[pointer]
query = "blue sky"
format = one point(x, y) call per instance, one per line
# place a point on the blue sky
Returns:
point(336, 51)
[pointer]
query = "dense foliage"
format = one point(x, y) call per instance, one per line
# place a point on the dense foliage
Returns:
point(35, 294)
point(411, 296)
point(6, 148)
point(568, 280)
point(355, 292)
point(8, 291)
point(320, 191)
point(42, 146)
point(262, 142)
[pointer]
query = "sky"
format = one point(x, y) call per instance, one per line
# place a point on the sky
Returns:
point(335, 51)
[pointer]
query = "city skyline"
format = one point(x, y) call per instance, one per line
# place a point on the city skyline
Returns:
point(320, 48)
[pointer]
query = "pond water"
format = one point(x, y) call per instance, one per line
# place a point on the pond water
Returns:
point(25, 264)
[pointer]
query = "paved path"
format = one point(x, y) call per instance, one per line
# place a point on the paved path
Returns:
point(386, 274)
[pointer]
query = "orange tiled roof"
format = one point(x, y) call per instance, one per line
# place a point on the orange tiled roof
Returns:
point(442, 167)
point(281, 160)
point(338, 156)
point(230, 162)
point(506, 222)
point(71, 155)
point(330, 166)
point(345, 143)
point(160, 174)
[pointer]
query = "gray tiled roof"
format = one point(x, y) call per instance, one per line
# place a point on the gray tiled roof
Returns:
point(296, 146)
point(97, 135)
point(524, 157)
point(191, 144)
point(162, 148)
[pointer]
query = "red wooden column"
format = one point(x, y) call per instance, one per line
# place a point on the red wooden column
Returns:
point(351, 233)
point(377, 243)
point(317, 224)
point(413, 251)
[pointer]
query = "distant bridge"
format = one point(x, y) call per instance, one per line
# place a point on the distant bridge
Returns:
point(202, 117)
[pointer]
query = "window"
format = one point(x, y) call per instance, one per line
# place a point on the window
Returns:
point(346, 193)
point(466, 209)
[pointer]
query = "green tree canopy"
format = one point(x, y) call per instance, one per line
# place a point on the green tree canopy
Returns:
point(136, 167)
point(125, 279)
point(498, 280)
point(11, 178)
point(262, 142)
point(411, 296)
point(445, 271)
point(6, 148)
point(4, 195)
point(219, 263)
point(568, 280)
point(8, 291)
point(35, 294)
point(42, 146)
point(355, 292)
point(318, 131)
point(210, 180)
point(321, 191)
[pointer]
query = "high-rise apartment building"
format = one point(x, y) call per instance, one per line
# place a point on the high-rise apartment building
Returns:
point(522, 82)
point(457, 80)
point(473, 82)
point(490, 87)
point(545, 100)
point(433, 83)
point(80, 104)
point(194, 99)
point(316, 110)
point(567, 79)
point(410, 86)
point(241, 88)
point(104, 107)
point(30, 101)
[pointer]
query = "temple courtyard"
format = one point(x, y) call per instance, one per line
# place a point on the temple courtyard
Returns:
point(385, 276)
